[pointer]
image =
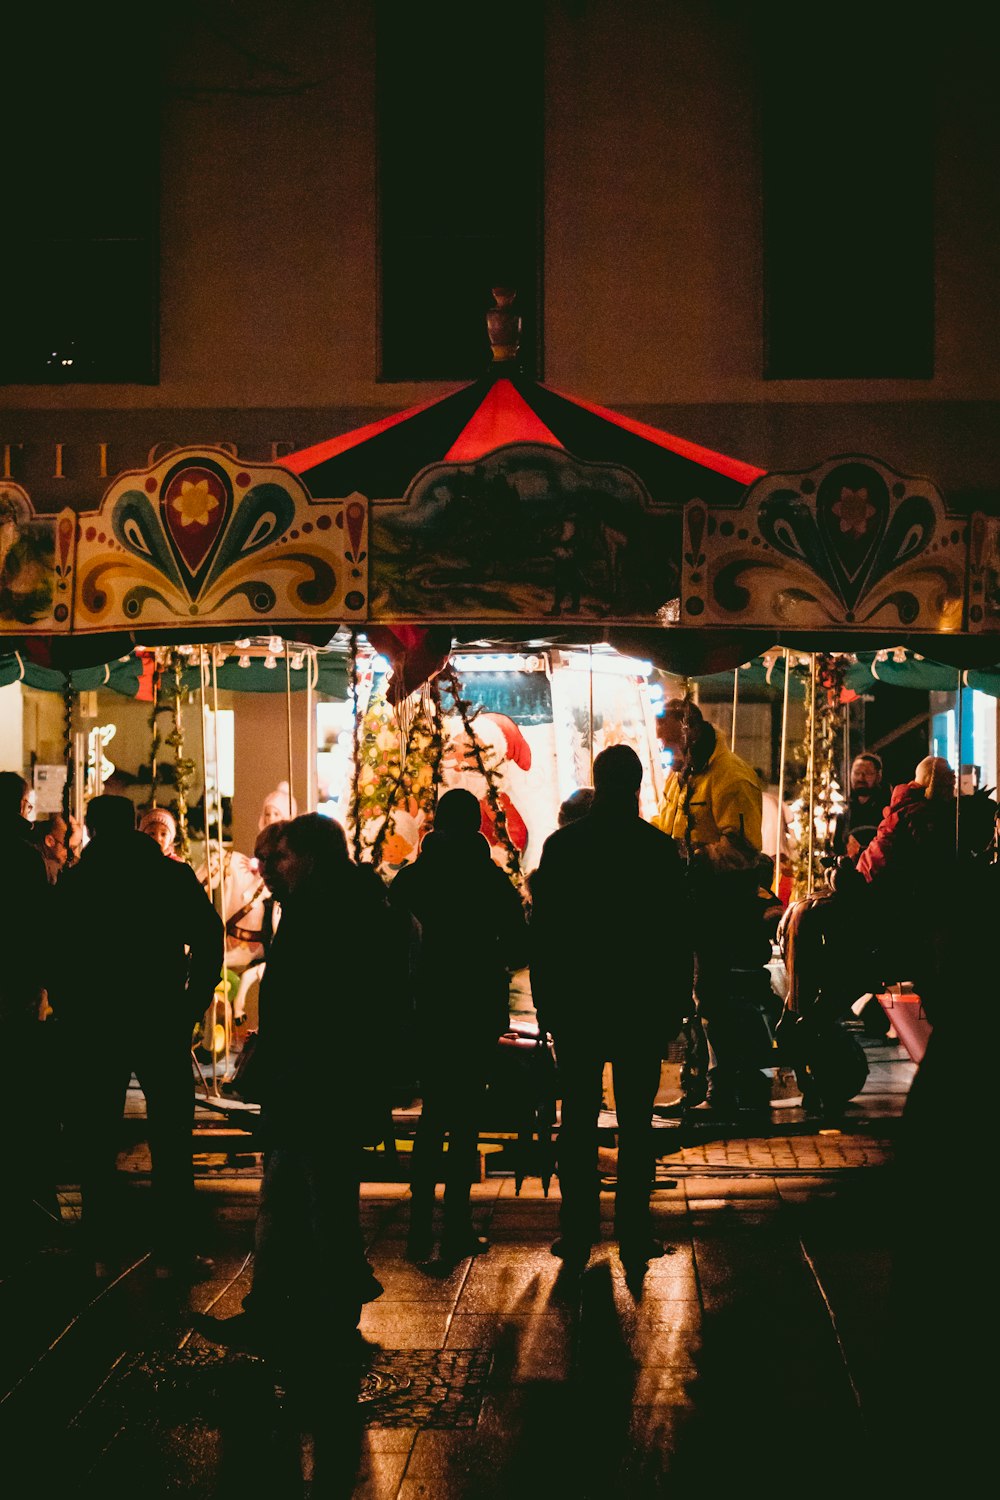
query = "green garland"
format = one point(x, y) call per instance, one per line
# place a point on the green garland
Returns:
point(69, 700)
point(356, 782)
point(156, 740)
point(395, 779)
point(184, 769)
point(819, 787)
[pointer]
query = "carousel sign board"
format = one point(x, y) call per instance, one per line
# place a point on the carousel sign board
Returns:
point(524, 532)
point(849, 544)
point(201, 537)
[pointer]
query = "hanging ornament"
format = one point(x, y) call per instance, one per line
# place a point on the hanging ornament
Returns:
point(416, 653)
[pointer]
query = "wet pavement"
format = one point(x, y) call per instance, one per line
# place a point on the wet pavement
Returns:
point(758, 1351)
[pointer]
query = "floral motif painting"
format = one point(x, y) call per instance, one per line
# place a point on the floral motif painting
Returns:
point(849, 543)
point(202, 537)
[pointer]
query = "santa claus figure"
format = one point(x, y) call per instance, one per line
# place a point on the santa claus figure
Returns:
point(506, 755)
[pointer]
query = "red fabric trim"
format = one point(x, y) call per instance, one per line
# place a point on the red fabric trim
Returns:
point(503, 416)
point(308, 458)
point(733, 468)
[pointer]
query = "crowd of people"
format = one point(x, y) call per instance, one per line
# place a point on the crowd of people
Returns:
point(630, 928)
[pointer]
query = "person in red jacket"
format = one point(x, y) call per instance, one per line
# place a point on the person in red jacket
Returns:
point(917, 829)
point(909, 863)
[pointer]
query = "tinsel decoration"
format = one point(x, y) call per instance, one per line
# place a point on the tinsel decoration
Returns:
point(820, 788)
point(155, 738)
point(356, 780)
point(184, 769)
point(488, 772)
point(69, 701)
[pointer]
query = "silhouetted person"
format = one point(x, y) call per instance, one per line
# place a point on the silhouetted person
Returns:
point(473, 933)
point(25, 904)
point(335, 948)
point(138, 959)
point(577, 805)
point(266, 849)
point(611, 985)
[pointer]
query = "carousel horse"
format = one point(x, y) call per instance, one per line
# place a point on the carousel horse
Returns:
point(240, 896)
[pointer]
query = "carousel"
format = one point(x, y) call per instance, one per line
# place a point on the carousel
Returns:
point(483, 590)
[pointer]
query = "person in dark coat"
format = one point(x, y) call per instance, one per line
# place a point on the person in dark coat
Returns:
point(337, 950)
point(473, 933)
point(25, 888)
point(24, 896)
point(611, 979)
point(137, 958)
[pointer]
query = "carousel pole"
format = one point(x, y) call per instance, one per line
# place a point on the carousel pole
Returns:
point(312, 674)
point(590, 707)
point(202, 669)
point(811, 771)
point(356, 746)
point(288, 724)
point(206, 832)
point(224, 913)
point(781, 770)
point(736, 699)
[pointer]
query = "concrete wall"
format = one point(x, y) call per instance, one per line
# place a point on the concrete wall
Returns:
point(652, 218)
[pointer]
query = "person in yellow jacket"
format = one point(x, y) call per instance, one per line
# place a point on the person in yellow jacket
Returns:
point(711, 805)
point(712, 801)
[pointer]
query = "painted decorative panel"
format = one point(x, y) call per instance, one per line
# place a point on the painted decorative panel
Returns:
point(526, 532)
point(850, 543)
point(204, 538)
point(36, 566)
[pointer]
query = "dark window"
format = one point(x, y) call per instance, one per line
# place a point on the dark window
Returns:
point(847, 118)
point(460, 170)
point(78, 258)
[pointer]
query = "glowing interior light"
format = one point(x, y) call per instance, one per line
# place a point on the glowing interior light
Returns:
point(627, 666)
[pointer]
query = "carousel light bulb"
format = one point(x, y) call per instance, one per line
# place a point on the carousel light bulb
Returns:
point(270, 662)
point(243, 645)
point(274, 645)
point(297, 660)
point(244, 661)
